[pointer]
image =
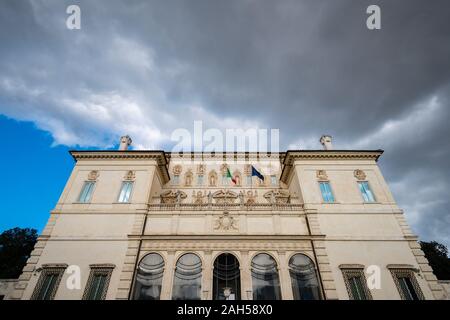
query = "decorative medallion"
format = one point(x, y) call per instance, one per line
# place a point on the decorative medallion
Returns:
point(177, 169)
point(129, 176)
point(226, 222)
point(93, 175)
point(321, 175)
point(359, 174)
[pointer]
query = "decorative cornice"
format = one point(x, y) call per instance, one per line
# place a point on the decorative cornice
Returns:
point(351, 266)
point(293, 155)
point(158, 155)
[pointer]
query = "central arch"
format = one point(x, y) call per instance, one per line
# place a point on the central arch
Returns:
point(226, 278)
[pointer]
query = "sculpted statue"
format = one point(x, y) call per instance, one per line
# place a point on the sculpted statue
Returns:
point(241, 197)
point(210, 197)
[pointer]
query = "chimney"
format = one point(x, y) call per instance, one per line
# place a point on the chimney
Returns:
point(125, 142)
point(325, 140)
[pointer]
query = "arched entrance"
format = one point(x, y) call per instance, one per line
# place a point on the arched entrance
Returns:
point(226, 278)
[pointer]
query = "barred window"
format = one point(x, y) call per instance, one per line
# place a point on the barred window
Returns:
point(48, 282)
point(98, 281)
point(406, 284)
point(355, 282)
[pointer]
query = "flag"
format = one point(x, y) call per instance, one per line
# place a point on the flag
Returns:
point(257, 173)
point(230, 176)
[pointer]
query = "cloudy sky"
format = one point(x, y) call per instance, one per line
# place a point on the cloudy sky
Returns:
point(146, 68)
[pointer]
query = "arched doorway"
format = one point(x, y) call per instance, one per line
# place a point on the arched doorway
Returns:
point(226, 278)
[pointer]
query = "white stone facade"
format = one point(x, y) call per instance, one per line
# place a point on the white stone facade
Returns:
point(186, 204)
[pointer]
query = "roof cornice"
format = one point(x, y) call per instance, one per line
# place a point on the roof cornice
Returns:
point(157, 155)
point(293, 155)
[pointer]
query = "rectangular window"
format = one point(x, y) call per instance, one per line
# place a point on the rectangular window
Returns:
point(355, 281)
point(200, 180)
point(125, 191)
point(273, 180)
point(249, 180)
point(86, 192)
point(407, 284)
point(48, 283)
point(325, 188)
point(366, 192)
point(97, 285)
point(176, 180)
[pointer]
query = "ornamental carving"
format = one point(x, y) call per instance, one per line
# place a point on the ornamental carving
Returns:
point(93, 175)
point(226, 222)
point(224, 197)
point(173, 197)
point(251, 197)
point(277, 197)
point(201, 169)
point(129, 176)
point(177, 169)
point(321, 175)
point(188, 178)
point(212, 178)
point(359, 174)
point(223, 168)
point(199, 197)
point(237, 177)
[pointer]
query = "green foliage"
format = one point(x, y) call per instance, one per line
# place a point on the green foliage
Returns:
point(15, 247)
point(437, 255)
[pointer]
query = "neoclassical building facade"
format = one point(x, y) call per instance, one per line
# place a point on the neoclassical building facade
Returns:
point(300, 224)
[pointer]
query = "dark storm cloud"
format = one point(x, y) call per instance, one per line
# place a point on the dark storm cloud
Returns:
point(306, 67)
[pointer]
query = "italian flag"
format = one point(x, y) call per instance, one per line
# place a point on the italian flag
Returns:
point(230, 176)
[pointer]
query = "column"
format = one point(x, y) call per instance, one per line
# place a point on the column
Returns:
point(167, 280)
point(246, 277)
point(285, 278)
point(207, 274)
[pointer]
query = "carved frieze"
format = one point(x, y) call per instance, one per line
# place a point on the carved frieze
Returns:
point(277, 197)
point(224, 197)
point(173, 197)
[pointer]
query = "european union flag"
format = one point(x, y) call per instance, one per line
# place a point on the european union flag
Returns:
point(257, 173)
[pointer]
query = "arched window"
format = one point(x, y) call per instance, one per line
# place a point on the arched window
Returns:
point(305, 285)
point(187, 278)
point(149, 278)
point(227, 278)
point(265, 280)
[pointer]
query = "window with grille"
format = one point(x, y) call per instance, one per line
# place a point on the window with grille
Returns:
point(356, 284)
point(97, 285)
point(48, 282)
